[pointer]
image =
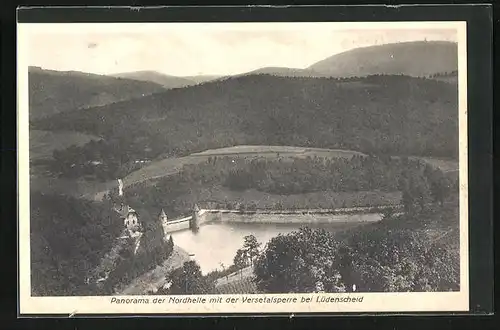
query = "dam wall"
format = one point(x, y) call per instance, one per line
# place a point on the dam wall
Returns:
point(310, 216)
point(177, 225)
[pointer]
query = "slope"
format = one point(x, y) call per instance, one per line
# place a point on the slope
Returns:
point(383, 114)
point(68, 238)
point(420, 58)
point(52, 92)
point(286, 72)
point(43, 143)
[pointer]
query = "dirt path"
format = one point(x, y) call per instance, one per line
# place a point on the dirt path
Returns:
point(156, 277)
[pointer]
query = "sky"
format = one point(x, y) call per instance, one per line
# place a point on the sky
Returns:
point(183, 49)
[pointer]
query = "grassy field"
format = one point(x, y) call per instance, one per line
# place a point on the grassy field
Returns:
point(169, 166)
point(43, 143)
point(237, 283)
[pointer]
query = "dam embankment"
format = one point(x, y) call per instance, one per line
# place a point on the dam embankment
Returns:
point(306, 216)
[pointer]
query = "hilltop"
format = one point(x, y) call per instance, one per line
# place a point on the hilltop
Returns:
point(52, 92)
point(418, 59)
point(285, 72)
point(201, 78)
point(167, 81)
point(377, 114)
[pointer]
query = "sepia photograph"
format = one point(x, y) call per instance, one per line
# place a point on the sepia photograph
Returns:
point(242, 167)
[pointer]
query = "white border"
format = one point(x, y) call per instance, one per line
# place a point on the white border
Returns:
point(372, 302)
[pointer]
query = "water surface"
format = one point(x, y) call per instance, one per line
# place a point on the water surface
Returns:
point(217, 242)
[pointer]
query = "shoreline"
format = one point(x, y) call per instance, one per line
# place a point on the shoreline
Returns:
point(305, 216)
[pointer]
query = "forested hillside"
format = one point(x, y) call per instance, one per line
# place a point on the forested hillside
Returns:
point(68, 238)
point(52, 92)
point(416, 58)
point(164, 80)
point(377, 114)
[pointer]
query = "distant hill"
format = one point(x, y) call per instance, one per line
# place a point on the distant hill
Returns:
point(385, 114)
point(52, 92)
point(418, 59)
point(285, 72)
point(164, 80)
point(201, 79)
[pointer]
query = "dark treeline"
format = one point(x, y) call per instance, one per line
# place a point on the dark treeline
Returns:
point(395, 115)
point(453, 73)
point(417, 181)
point(68, 239)
point(314, 174)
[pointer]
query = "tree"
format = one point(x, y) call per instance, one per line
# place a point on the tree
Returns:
point(300, 262)
point(251, 248)
point(241, 207)
point(171, 243)
point(189, 280)
point(240, 259)
point(440, 185)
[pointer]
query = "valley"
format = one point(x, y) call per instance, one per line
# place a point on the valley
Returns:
point(313, 174)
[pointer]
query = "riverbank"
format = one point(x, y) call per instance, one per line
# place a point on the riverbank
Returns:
point(155, 278)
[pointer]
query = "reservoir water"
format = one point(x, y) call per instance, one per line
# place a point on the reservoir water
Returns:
point(216, 243)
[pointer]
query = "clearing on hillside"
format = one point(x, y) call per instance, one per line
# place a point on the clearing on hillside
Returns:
point(43, 143)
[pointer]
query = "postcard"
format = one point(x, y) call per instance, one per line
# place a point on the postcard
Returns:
point(206, 168)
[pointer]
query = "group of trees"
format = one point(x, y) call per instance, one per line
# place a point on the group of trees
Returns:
point(421, 188)
point(359, 173)
point(68, 239)
point(444, 74)
point(102, 160)
point(290, 176)
point(312, 260)
point(402, 260)
point(304, 261)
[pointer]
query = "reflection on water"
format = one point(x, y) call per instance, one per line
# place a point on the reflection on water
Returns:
point(217, 242)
